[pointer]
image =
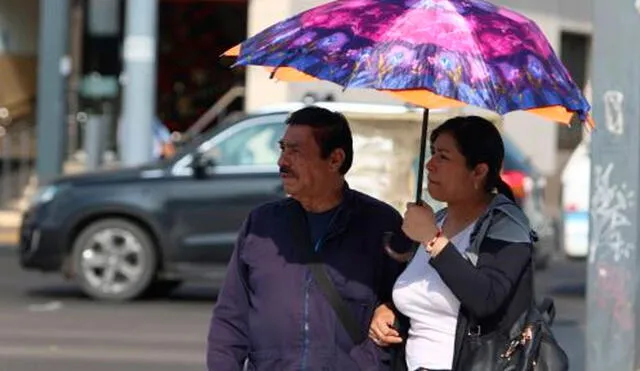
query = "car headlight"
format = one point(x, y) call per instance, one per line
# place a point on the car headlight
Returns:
point(44, 194)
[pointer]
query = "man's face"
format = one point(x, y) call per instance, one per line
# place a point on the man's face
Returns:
point(303, 171)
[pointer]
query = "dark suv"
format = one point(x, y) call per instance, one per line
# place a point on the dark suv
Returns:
point(126, 232)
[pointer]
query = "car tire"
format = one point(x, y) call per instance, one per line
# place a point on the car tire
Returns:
point(103, 250)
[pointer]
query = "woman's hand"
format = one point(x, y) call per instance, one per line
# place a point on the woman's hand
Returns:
point(381, 330)
point(419, 223)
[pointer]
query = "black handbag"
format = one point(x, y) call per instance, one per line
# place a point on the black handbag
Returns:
point(528, 346)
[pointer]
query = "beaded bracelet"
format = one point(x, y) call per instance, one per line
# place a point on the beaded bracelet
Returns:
point(435, 238)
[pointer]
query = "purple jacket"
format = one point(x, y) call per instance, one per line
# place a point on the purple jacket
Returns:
point(271, 311)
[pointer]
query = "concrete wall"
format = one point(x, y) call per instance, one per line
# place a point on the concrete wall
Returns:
point(19, 21)
point(260, 89)
point(536, 137)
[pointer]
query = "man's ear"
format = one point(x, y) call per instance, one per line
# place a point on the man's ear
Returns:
point(337, 158)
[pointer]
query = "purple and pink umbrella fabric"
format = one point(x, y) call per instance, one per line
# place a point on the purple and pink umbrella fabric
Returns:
point(464, 51)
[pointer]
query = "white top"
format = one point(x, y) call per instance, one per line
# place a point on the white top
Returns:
point(420, 294)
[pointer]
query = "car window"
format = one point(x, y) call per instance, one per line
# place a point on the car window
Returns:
point(256, 145)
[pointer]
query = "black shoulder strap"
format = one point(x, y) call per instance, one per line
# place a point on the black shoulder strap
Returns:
point(318, 269)
point(338, 305)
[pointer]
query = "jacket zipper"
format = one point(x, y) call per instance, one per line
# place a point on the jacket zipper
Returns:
point(305, 311)
point(305, 315)
point(305, 323)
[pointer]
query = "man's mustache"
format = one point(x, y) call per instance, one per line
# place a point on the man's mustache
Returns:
point(286, 170)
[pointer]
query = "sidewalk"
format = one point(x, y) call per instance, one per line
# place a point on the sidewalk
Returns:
point(11, 215)
point(9, 227)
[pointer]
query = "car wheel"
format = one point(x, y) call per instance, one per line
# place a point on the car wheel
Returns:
point(114, 259)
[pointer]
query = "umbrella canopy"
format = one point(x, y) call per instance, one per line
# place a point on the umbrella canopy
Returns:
point(432, 53)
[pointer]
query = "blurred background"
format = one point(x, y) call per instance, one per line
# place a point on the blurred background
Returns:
point(130, 153)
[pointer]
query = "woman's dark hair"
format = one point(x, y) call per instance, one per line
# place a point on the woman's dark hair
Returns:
point(480, 142)
point(330, 130)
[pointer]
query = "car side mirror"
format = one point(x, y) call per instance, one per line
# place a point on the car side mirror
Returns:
point(201, 165)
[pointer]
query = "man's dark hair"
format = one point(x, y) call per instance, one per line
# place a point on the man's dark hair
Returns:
point(330, 130)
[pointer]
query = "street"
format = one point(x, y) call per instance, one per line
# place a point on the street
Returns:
point(46, 324)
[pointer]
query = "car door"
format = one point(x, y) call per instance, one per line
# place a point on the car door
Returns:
point(207, 212)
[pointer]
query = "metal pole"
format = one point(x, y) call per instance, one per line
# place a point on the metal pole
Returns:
point(423, 150)
point(613, 307)
point(93, 141)
point(25, 156)
point(107, 127)
point(75, 51)
point(9, 169)
point(139, 94)
point(51, 108)
point(6, 166)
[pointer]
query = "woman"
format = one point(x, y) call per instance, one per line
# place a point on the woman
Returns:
point(472, 274)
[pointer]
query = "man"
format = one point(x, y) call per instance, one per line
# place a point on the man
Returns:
point(271, 311)
point(163, 146)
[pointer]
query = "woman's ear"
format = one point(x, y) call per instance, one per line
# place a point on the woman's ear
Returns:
point(480, 173)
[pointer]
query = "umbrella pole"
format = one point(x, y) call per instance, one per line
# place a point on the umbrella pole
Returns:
point(407, 256)
point(423, 151)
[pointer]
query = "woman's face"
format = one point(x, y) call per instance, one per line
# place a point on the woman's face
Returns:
point(449, 178)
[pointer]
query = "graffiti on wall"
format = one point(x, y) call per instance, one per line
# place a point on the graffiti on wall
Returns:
point(613, 111)
point(612, 293)
point(610, 207)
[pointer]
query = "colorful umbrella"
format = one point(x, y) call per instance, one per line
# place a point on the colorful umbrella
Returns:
point(431, 53)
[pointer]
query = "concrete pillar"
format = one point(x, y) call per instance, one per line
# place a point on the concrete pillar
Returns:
point(613, 306)
point(51, 106)
point(139, 97)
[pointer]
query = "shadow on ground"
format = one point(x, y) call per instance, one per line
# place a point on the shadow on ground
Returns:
point(187, 294)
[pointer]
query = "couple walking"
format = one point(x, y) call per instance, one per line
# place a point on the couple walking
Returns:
point(310, 285)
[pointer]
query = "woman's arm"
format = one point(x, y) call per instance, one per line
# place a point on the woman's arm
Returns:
point(483, 289)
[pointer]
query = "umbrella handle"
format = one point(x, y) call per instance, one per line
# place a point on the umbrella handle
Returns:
point(406, 257)
point(423, 151)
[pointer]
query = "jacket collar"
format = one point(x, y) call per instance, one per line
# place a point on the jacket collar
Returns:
point(499, 205)
point(346, 210)
point(513, 226)
point(507, 209)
